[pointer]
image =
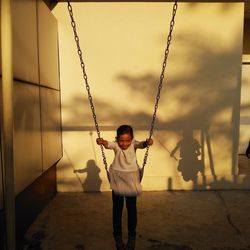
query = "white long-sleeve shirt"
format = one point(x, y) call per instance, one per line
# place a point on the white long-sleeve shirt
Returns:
point(125, 160)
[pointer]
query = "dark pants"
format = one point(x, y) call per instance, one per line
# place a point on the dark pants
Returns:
point(118, 202)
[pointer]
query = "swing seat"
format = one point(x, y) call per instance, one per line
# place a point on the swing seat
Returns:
point(125, 183)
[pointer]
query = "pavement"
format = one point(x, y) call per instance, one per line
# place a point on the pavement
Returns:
point(166, 220)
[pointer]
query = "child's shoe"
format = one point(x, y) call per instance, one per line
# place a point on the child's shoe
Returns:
point(119, 244)
point(131, 243)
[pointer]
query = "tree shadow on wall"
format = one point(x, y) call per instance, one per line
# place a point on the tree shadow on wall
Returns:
point(206, 85)
point(191, 90)
point(206, 93)
point(93, 181)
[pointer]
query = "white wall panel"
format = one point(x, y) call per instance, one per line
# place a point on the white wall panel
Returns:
point(48, 47)
point(51, 127)
point(25, 50)
point(27, 135)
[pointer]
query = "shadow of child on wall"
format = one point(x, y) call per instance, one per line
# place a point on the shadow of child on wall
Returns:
point(189, 163)
point(93, 181)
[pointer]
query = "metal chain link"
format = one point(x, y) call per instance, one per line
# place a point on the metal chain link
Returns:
point(79, 51)
point(158, 95)
point(164, 64)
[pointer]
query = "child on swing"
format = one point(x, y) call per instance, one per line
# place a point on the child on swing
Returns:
point(124, 182)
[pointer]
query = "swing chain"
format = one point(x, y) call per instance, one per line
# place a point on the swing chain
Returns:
point(164, 64)
point(80, 54)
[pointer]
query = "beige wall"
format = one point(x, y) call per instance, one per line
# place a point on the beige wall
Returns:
point(245, 91)
point(48, 47)
point(37, 121)
point(123, 46)
point(245, 109)
point(27, 134)
point(51, 125)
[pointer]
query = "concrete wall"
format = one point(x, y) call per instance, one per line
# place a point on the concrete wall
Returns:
point(37, 116)
point(123, 46)
point(245, 109)
point(245, 90)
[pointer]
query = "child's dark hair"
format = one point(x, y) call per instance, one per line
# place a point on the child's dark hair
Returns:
point(124, 129)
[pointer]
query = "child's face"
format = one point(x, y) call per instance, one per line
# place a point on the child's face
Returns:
point(124, 141)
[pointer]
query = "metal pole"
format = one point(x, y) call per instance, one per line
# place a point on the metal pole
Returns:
point(7, 121)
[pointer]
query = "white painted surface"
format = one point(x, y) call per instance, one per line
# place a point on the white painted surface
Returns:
point(27, 135)
point(48, 47)
point(51, 127)
point(25, 47)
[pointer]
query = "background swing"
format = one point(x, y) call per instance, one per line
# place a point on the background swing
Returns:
point(158, 94)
